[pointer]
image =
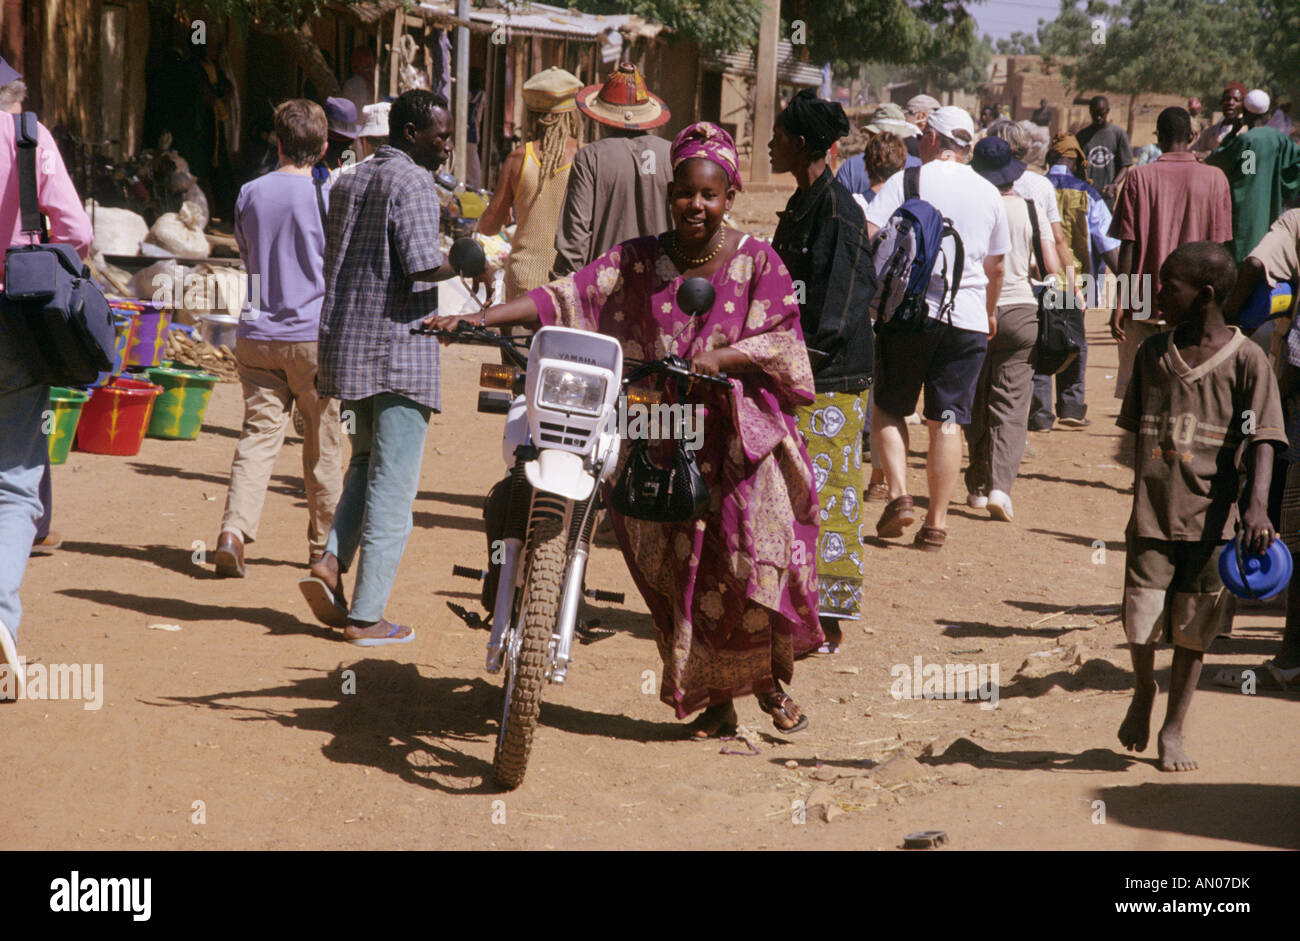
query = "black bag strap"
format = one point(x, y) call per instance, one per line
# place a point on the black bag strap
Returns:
point(320, 205)
point(911, 183)
point(958, 265)
point(25, 137)
point(1037, 238)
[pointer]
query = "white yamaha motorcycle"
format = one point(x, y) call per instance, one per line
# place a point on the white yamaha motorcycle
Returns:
point(561, 399)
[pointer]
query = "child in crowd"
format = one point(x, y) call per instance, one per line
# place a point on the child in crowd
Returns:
point(280, 228)
point(1202, 400)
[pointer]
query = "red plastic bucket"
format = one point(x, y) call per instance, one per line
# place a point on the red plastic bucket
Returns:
point(116, 417)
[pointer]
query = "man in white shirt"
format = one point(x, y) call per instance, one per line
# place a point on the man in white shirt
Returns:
point(946, 355)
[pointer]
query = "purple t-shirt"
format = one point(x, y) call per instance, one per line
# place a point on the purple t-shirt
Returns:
point(282, 242)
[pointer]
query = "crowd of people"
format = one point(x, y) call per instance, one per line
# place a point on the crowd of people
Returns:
point(605, 232)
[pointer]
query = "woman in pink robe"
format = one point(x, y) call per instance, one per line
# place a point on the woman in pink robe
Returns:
point(734, 593)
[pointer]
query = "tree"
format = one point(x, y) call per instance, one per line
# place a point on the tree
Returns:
point(849, 33)
point(721, 25)
point(1019, 44)
point(1176, 47)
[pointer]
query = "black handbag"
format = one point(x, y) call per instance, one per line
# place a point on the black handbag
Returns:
point(1061, 335)
point(644, 491)
point(55, 315)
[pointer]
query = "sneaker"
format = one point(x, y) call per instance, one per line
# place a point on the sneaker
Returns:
point(1075, 422)
point(1041, 431)
point(976, 501)
point(999, 506)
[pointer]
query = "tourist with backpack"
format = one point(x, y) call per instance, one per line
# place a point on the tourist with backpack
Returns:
point(822, 240)
point(939, 236)
point(999, 426)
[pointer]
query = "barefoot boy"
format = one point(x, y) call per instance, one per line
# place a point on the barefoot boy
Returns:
point(1202, 401)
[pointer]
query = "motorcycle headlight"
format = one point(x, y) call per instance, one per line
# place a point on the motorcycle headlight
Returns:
point(571, 391)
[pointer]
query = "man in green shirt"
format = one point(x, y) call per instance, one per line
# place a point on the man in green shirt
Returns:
point(1263, 170)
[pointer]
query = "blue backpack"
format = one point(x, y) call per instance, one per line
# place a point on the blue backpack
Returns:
point(905, 251)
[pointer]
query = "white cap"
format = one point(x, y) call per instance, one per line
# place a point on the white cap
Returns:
point(374, 120)
point(1256, 101)
point(953, 123)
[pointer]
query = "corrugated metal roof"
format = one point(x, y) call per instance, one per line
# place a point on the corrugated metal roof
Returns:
point(788, 69)
point(538, 19)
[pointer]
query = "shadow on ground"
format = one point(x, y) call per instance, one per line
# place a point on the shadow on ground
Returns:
point(422, 729)
point(276, 622)
point(1262, 814)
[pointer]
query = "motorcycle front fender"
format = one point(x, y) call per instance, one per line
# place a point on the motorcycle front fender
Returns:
point(561, 473)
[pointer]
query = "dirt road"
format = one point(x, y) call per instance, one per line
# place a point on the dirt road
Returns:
point(253, 727)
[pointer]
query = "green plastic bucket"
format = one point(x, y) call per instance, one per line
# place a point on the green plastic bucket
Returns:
point(178, 413)
point(65, 412)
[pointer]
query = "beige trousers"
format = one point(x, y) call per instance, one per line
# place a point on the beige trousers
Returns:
point(275, 375)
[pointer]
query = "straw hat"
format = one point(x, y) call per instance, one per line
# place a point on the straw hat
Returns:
point(624, 102)
point(551, 91)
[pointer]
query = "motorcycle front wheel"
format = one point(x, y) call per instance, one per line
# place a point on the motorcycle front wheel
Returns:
point(527, 650)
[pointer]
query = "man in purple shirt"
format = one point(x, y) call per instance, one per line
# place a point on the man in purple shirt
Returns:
point(280, 228)
point(24, 452)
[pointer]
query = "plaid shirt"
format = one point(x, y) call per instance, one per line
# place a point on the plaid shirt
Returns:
point(383, 227)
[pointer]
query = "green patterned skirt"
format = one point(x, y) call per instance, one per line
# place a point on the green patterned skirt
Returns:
point(832, 432)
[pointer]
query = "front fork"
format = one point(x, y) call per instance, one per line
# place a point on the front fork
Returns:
point(580, 519)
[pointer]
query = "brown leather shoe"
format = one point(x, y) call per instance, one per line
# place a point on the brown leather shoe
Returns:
point(229, 557)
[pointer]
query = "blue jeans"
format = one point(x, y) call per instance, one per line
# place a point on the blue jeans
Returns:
point(374, 513)
point(1070, 402)
point(24, 458)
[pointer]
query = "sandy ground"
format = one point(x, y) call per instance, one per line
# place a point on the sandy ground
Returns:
point(243, 729)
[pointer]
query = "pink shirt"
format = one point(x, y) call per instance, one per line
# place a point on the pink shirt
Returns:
point(55, 193)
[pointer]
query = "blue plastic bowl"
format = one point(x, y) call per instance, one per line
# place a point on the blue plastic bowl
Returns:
point(1265, 575)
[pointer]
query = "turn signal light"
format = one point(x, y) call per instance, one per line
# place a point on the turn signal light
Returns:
point(644, 397)
point(493, 376)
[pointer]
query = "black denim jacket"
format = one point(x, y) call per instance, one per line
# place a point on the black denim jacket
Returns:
point(822, 238)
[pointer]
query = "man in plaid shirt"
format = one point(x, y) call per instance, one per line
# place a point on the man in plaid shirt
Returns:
point(381, 257)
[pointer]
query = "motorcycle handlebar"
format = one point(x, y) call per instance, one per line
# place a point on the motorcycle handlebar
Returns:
point(670, 366)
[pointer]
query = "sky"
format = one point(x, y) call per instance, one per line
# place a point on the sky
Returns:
point(1001, 18)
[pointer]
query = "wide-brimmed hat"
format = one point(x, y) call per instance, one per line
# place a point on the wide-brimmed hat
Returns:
point(888, 118)
point(552, 91)
point(342, 116)
point(374, 120)
point(624, 101)
point(992, 160)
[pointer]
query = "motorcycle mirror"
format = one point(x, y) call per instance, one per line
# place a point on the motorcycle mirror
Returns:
point(446, 180)
point(467, 258)
point(695, 296)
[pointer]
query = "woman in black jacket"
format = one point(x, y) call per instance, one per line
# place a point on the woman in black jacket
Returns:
point(823, 241)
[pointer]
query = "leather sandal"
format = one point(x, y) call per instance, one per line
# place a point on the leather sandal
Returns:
point(899, 514)
point(930, 538)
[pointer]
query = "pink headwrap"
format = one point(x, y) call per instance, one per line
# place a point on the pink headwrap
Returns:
point(711, 142)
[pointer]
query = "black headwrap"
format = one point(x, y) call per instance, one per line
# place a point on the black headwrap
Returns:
point(819, 122)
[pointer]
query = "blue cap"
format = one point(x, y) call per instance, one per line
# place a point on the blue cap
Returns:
point(8, 73)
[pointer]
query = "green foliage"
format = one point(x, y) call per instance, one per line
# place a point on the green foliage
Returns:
point(849, 33)
point(1159, 46)
point(723, 25)
point(1018, 44)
